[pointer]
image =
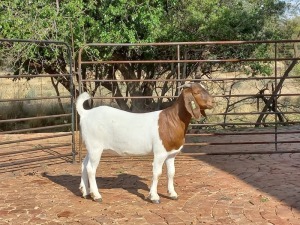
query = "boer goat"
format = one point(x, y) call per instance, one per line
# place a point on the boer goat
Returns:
point(160, 132)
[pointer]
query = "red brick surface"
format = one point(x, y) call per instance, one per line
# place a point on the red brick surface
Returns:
point(239, 189)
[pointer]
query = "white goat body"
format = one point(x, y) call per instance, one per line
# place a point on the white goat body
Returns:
point(160, 132)
point(120, 131)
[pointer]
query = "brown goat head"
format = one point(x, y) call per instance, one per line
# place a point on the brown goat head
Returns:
point(196, 99)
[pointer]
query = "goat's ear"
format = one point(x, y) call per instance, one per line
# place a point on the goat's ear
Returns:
point(191, 105)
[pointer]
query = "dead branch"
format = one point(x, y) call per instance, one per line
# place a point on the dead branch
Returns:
point(275, 92)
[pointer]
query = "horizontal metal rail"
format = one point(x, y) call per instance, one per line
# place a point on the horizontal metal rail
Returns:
point(36, 118)
point(188, 80)
point(246, 124)
point(243, 133)
point(192, 43)
point(34, 164)
point(34, 139)
point(37, 98)
point(36, 128)
point(30, 161)
point(49, 42)
point(35, 149)
point(239, 143)
point(185, 61)
point(34, 76)
point(251, 113)
point(241, 153)
point(174, 96)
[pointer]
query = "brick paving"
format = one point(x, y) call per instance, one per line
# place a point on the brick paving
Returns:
point(236, 189)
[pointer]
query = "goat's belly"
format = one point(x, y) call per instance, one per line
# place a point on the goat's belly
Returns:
point(127, 146)
point(128, 151)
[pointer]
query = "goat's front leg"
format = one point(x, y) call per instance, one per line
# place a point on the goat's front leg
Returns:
point(171, 172)
point(157, 170)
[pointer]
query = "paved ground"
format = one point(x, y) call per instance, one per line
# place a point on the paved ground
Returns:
point(238, 189)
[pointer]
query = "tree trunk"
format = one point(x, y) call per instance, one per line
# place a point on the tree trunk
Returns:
point(275, 92)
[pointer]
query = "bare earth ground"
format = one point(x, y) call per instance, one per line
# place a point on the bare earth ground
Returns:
point(225, 189)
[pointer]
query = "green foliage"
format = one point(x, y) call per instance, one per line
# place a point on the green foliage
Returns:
point(124, 21)
point(213, 20)
point(92, 21)
point(291, 27)
point(258, 68)
point(133, 21)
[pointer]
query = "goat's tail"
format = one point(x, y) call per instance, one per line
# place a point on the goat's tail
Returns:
point(80, 100)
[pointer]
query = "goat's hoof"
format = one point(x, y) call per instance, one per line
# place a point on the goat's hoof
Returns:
point(85, 196)
point(98, 200)
point(174, 197)
point(83, 192)
point(155, 201)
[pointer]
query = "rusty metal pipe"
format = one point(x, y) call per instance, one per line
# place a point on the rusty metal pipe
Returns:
point(240, 153)
point(186, 80)
point(35, 118)
point(29, 99)
point(238, 133)
point(34, 139)
point(239, 143)
point(35, 129)
point(34, 149)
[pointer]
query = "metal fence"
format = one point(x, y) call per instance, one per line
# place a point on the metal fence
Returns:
point(257, 91)
point(36, 118)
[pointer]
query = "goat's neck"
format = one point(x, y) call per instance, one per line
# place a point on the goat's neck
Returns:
point(178, 114)
point(172, 125)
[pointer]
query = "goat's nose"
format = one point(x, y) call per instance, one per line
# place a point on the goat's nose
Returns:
point(212, 102)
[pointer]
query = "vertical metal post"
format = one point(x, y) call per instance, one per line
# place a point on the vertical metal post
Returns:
point(80, 91)
point(275, 101)
point(72, 97)
point(79, 71)
point(178, 68)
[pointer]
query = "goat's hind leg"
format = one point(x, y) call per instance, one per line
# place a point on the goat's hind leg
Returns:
point(84, 183)
point(92, 164)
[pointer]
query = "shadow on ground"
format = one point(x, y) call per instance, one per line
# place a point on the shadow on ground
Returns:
point(128, 182)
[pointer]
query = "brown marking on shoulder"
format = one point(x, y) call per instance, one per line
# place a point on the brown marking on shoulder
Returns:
point(172, 125)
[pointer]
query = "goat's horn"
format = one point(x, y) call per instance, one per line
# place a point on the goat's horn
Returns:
point(188, 85)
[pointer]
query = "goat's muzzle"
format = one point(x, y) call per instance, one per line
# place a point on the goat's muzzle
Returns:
point(210, 103)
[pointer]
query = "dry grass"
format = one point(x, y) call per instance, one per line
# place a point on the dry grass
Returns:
point(22, 88)
point(26, 90)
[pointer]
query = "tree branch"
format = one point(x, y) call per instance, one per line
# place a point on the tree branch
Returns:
point(275, 92)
